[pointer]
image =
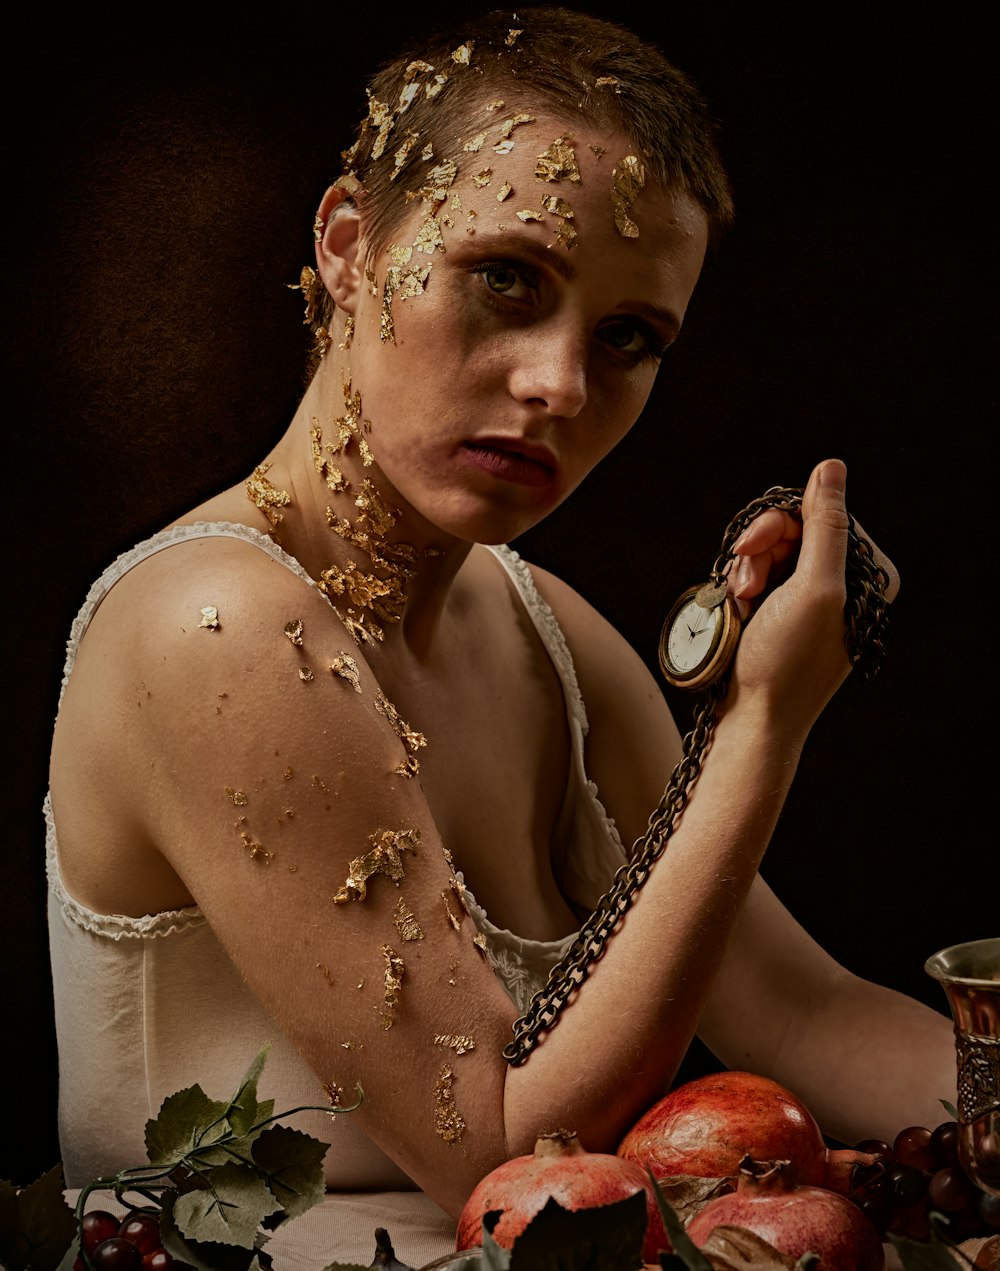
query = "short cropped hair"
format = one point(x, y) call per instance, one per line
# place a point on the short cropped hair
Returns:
point(582, 69)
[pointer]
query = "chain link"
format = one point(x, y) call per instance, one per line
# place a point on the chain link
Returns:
point(865, 615)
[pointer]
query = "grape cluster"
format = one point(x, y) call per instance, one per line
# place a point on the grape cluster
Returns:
point(131, 1243)
point(921, 1173)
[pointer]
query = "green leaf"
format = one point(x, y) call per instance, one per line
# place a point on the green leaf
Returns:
point(202, 1255)
point(605, 1238)
point(244, 1111)
point(682, 1244)
point(186, 1119)
point(293, 1163)
point(949, 1108)
point(494, 1257)
point(230, 1212)
point(923, 1255)
point(37, 1227)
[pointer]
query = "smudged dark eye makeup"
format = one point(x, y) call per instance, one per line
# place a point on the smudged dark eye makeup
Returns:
point(508, 278)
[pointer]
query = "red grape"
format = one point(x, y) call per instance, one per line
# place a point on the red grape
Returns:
point(158, 1260)
point(909, 1186)
point(96, 1227)
point(878, 1146)
point(989, 1209)
point(142, 1230)
point(944, 1144)
point(951, 1191)
point(117, 1254)
point(913, 1147)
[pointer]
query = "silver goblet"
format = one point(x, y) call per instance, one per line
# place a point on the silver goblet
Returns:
point(970, 976)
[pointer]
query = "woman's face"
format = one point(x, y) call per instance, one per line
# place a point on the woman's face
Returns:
point(521, 361)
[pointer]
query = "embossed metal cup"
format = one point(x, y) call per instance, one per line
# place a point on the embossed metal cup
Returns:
point(970, 976)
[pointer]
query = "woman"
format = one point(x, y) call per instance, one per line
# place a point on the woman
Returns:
point(323, 773)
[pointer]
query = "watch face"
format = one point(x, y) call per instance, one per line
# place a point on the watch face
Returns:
point(693, 635)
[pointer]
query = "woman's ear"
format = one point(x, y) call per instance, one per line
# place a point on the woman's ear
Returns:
point(338, 232)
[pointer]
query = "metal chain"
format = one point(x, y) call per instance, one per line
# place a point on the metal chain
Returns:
point(865, 615)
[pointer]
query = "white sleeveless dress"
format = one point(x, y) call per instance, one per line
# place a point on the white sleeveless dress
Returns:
point(147, 1006)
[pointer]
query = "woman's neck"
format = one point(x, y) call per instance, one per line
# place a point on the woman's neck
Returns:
point(386, 570)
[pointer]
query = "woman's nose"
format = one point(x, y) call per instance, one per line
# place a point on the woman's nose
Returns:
point(550, 370)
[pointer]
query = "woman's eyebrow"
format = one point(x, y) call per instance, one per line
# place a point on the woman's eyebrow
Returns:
point(526, 243)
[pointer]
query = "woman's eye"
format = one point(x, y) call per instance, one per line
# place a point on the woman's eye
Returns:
point(632, 338)
point(506, 280)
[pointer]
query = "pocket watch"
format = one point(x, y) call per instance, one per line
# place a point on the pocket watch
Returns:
point(699, 637)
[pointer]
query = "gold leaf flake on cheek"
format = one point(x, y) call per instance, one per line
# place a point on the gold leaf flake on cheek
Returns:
point(385, 857)
point(326, 973)
point(462, 56)
point(526, 214)
point(503, 192)
point(294, 631)
point(408, 736)
point(449, 1123)
point(267, 497)
point(209, 618)
point(346, 667)
point(627, 181)
point(405, 922)
point(482, 178)
point(392, 983)
point(237, 797)
point(459, 1044)
point(306, 675)
point(558, 163)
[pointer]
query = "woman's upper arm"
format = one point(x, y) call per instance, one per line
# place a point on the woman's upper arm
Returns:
point(277, 789)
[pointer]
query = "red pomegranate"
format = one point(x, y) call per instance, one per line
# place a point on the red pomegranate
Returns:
point(794, 1219)
point(562, 1169)
point(706, 1126)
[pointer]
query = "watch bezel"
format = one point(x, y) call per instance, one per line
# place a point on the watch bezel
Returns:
point(716, 661)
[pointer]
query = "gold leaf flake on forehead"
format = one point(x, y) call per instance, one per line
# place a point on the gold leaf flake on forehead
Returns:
point(256, 850)
point(306, 675)
point(566, 235)
point(428, 237)
point(557, 206)
point(406, 98)
point(385, 857)
point(515, 121)
point(393, 982)
point(512, 35)
point(440, 178)
point(408, 736)
point(627, 179)
point(459, 1044)
point(449, 1123)
point(504, 147)
point(482, 178)
point(406, 924)
point(399, 254)
point(294, 630)
point(526, 214)
point(474, 143)
point(346, 667)
point(266, 496)
point(209, 617)
point(462, 56)
point(598, 150)
point(558, 163)
point(503, 192)
point(237, 797)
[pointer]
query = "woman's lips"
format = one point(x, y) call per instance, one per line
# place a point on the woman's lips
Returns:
point(512, 461)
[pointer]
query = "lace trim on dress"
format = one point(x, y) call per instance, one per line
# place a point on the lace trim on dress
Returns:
point(157, 543)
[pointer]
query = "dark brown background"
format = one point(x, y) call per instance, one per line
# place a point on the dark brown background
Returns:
point(160, 195)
